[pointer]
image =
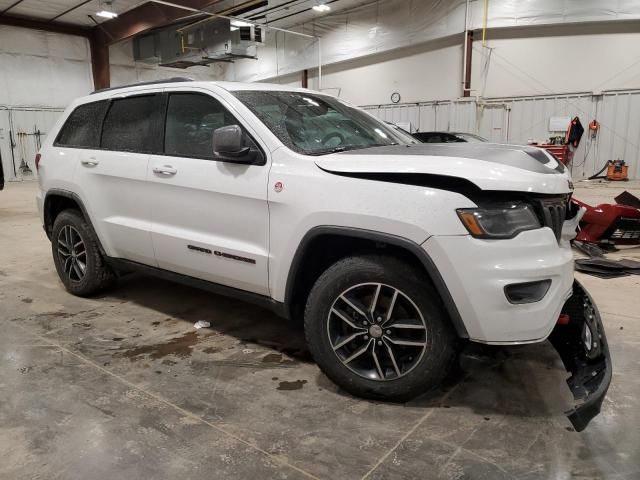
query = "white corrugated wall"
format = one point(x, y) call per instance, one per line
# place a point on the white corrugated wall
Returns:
point(456, 115)
point(521, 119)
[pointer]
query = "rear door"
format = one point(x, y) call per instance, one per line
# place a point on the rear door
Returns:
point(210, 217)
point(112, 177)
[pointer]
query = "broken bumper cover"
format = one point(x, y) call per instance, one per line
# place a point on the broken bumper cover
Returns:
point(583, 348)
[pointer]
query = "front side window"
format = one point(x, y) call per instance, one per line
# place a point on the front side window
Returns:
point(130, 125)
point(191, 120)
point(317, 124)
point(82, 128)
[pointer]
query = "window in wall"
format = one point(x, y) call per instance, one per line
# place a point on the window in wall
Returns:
point(191, 120)
point(82, 128)
point(130, 125)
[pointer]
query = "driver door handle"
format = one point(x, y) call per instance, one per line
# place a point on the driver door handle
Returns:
point(166, 170)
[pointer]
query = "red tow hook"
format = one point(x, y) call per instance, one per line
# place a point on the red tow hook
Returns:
point(564, 319)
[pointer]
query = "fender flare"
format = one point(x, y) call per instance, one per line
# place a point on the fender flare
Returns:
point(401, 242)
point(76, 198)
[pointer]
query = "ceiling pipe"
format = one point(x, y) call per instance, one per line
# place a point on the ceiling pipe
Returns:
point(485, 15)
point(242, 6)
point(229, 17)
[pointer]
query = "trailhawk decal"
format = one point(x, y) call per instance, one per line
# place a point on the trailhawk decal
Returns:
point(218, 253)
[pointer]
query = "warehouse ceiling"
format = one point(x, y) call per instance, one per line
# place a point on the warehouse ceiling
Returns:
point(82, 13)
point(75, 12)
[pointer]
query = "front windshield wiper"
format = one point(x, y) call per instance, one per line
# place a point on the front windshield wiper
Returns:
point(381, 144)
point(339, 149)
point(327, 151)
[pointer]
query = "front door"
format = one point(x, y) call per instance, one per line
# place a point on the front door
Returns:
point(210, 217)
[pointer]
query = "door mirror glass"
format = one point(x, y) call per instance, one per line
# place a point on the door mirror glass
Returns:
point(228, 143)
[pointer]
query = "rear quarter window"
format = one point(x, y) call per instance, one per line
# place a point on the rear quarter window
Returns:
point(82, 128)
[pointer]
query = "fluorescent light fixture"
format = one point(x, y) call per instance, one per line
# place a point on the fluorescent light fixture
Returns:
point(240, 23)
point(321, 8)
point(106, 14)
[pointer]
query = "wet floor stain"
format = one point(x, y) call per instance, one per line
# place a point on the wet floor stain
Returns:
point(295, 385)
point(87, 314)
point(82, 325)
point(27, 300)
point(299, 354)
point(181, 347)
point(272, 358)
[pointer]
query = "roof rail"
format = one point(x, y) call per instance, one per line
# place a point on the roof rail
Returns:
point(154, 82)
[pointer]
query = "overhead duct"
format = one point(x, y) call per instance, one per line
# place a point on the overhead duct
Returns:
point(201, 43)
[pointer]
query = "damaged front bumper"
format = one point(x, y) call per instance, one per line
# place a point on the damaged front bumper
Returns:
point(581, 342)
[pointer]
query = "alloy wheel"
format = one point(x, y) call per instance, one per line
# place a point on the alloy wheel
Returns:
point(377, 331)
point(73, 253)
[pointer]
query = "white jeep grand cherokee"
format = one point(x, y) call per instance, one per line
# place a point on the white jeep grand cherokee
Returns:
point(389, 250)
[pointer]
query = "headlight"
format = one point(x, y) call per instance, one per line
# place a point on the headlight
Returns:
point(499, 221)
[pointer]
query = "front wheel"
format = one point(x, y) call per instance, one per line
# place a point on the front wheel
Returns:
point(376, 327)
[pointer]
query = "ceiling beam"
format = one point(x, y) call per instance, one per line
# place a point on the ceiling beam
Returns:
point(69, 10)
point(45, 26)
point(14, 4)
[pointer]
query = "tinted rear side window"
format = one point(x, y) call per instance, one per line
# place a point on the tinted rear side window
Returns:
point(131, 125)
point(82, 128)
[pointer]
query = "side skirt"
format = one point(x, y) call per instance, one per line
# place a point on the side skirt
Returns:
point(125, 266)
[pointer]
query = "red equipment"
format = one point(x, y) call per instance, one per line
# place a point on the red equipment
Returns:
point(560, 152)
point(609, 223)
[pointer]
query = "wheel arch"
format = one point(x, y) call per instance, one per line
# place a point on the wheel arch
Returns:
point(298, 286)
point(57, 200)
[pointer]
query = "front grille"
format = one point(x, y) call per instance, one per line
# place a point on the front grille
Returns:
point(626, 229)
point(552, 214)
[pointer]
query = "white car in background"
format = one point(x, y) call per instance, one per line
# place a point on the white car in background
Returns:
point(389, 251)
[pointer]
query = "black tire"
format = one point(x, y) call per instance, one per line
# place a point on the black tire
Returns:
point(97, 274)
point(350, 273)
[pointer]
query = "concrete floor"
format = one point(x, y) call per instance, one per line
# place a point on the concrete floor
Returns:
point(123, 387)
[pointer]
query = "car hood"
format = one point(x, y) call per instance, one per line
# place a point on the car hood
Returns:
point(489, 166)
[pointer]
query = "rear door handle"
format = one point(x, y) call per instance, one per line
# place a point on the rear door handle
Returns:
point(90, 162)
point(166, 170)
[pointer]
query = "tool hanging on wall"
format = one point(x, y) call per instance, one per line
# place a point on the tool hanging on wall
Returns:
point(12, 146)
point(1, 172)
point(37, 135)
point(37, 138)
point(574, 133)
point(594, 126)
point(24, 166)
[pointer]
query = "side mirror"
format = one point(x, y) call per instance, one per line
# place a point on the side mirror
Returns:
point(227, 144)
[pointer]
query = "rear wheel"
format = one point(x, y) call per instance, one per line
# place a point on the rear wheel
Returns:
point(76, 255)
point(377, 328)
